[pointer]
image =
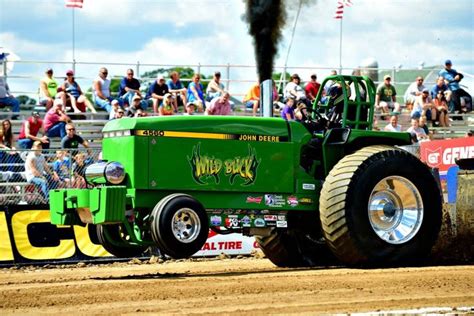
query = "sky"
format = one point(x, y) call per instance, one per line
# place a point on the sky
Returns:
point(395, 33)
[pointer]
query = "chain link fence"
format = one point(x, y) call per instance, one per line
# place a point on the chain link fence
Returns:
point(26, 176)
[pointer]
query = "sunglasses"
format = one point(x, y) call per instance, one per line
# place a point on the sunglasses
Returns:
point(71, 129)
point(104, 73)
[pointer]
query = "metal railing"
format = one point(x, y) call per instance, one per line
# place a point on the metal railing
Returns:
point(65, 169)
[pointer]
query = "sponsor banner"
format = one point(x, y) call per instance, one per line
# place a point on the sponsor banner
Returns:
point(231, 244)
point(442, 154)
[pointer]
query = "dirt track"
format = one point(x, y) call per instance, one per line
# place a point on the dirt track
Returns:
point(237, 286)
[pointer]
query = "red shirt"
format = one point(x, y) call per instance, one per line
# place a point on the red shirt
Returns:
point(50, 119)
point(34, 127)
point(312, 88)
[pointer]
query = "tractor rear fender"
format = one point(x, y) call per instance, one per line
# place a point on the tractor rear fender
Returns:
point(340, 142)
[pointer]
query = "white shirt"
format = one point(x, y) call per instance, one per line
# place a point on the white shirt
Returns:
point(291, 86)
point(38, 162)
point(104, 86)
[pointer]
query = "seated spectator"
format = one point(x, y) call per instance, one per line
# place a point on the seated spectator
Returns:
point(29, 132)
point(293, 89)
point(101, 90)
point(424, 126)
point(423, 106)
point(195, 95)
point(385, 98)
point(7, 99)
point(416, 131)
point(177, 89)
point(166, 107)
point(129, 87)
point(140, 113)
point(115, 106)
point(393, 126)
point(156, 93)
point(288, 111)
point(8, 155)
point(312, 88)
point(219, 105)
point(72, 140)
point(55, 120)
point(252, 98)
point(215, 88)
point(73, 97)
point(441, 105)
point(452, 79)
point(79, 170)
point(329, 83)
point(414, 89)
point(134, 106)
point(62, 169)
point(37, 170)
point(48, 90)
point(440, 86)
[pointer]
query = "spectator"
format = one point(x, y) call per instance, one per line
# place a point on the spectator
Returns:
point(252, 98)
point(101, 90)
point(37, 171)
point(79, 170)
point(288, 112)
point(312, 88)
point(385, 98)
point(129, 87)
point(134, 106)
point(72, 140)
point(393, 126)
point(177, 89)
point(140, 113)
point(120, 113)
point(115, 107)
point(29, 132)
point(215, 88)
point(293, 89)
point(55, 120)
point(156, 93)
point(441, 105)
point(8, 155)
point(424, 126)
point(73, 95)
point(452, 79)
point(440, 86)
point(329, 83)
point(219, 105)
point(423, 106)
point(416, 131)
point(48, 89)
point(166, 107)
point(195, 95)
point(414, 89)
point(7, 99)
point(62, 169)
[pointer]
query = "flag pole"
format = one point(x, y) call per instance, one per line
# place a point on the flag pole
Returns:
point(340, 47)
point(73, 37)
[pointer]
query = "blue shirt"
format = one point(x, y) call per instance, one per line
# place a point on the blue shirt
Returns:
point(434, 91)
point(132, 84)
point(449, 76)
point(174, 86)
point(191, 96)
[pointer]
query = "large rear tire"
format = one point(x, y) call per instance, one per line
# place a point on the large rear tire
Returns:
point(114, 239)
point(380, 206)
point(179, 225)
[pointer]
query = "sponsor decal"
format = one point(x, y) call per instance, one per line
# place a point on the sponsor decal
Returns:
point(305, 200)
point(270, 217)
point(259, 222)
point(231, 221)
point(282, 224)
point(204, 166)
point(292, 201)
point(246, 221)
point(216, 220)
point(309, 186)
point(274, 200)
point(281, 217)
point(254, 199)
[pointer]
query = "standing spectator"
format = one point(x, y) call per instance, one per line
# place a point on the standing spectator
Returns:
point(8, 155)
point(7, 99)
point(312, 88)
point(37, 171)
point(157, 91)
point(416, 131)
point(215, 88)
point(386, 96)
point(55, 120)
point(414, 89)
point(79, 170)
point(29, 132)
point(129, 87)
point(166, 107)
point(101, 90)
point(62, 169)
point(441, 105)
point(252, 98)
point(219, 105)
point(423, 106)
point(393, 126)
point(195, 95)
point(440, 86)
point(48, 89)
point(288, 112)
point(177, 89)
point(73, 96)
point(452, 79)
point(293, 89)
point(72, 140)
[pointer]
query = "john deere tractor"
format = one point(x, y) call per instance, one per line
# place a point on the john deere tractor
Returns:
point(328, 186)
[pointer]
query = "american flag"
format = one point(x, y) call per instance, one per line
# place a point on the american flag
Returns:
point(340, 8)
point(74, 3)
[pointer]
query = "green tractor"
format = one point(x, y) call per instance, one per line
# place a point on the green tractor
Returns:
point(308, 191)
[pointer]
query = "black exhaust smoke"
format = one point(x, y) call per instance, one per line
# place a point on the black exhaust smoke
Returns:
point(266, 19)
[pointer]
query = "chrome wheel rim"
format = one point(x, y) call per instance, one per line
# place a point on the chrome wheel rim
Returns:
point(395, 210)
point(186, 225)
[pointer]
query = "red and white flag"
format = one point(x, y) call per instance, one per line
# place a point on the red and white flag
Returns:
point(74, 3)
point(348, 3)
point(340, 10)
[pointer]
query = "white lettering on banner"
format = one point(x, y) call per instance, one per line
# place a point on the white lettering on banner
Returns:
point(232, 244)
point(451, 154)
